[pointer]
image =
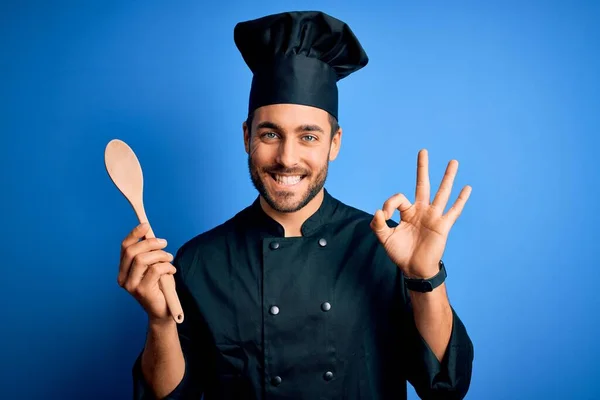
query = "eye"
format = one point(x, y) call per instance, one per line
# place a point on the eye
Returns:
point(309, 138)
point(269, 135)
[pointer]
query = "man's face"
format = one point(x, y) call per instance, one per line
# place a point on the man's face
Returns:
point(289, 147)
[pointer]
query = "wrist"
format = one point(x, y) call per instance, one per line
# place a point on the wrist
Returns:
point(161, 324)
point(422, 273)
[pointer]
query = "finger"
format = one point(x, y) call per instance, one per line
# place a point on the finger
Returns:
point(143, 246)
point(455, 211)
point(130, 252)
point(396, 202)
point(153, 274)
point(134, 236)
point(135, 250)
point(140, 265)
point(422, 192)
point(443, 194)
point(379, 224)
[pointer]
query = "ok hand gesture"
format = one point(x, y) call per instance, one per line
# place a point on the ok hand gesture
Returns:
point(417, 244)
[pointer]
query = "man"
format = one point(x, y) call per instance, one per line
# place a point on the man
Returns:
point(300, 296)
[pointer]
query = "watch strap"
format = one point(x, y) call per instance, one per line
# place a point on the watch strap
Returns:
point(427, 285)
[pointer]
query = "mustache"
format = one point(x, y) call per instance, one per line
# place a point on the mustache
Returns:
point(278, 169)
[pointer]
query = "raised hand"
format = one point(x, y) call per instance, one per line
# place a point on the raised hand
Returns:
point(142, 263)
point(417, 244)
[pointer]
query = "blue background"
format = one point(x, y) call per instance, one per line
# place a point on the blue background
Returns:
point(510, 89)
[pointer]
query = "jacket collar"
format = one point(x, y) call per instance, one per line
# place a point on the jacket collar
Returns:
point(314, 223)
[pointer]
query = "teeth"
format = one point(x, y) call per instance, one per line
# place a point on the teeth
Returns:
point(287, 180)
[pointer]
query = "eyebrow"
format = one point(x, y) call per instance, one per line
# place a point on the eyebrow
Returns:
point(301, 128)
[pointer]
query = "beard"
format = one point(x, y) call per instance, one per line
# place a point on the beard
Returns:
point(280, 201)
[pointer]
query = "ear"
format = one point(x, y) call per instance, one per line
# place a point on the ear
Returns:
point(336, 143)
point(246, 130)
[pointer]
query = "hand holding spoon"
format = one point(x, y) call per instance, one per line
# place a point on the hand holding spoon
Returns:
point(125, 171)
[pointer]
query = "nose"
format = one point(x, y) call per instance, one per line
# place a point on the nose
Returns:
point(287, 154)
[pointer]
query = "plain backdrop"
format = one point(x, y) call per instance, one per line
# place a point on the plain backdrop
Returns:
point(508, 88)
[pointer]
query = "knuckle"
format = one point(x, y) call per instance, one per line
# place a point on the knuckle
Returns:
point(129, 253)
point(139, 259)
point(393, 198)
point(129, 287)
point(152, 269)
point(166, 268)
point(140, 229)
point(138, 291)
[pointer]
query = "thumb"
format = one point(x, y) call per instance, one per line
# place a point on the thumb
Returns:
point(379, 225)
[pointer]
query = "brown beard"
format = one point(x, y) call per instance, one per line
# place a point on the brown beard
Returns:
point(314, 187)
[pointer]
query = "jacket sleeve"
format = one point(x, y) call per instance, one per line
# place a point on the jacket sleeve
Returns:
point(432, 379)
point(191, 386)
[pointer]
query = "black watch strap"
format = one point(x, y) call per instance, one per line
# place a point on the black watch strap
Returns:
point(427, 285)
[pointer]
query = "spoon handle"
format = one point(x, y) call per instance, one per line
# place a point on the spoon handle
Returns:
point(166, 282)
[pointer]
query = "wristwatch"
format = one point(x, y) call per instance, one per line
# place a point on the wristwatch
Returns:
point(427, 285)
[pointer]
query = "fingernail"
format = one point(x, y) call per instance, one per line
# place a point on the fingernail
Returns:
point(162, 241)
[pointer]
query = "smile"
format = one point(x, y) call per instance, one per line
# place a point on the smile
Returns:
point(287, 180)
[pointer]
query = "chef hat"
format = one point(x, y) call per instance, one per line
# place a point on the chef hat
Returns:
point(298, 57)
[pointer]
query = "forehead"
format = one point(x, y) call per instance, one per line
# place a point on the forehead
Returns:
point(291, 115)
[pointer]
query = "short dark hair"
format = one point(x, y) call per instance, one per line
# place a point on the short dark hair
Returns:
point(335, 126)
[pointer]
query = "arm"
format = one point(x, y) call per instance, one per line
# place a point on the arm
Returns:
point(162, 361)
point(433, 318)
point(437, 350)
point(168, 367)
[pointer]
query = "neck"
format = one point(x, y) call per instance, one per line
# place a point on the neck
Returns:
point(292, 222)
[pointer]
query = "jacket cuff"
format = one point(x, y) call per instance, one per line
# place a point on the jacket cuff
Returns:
point(450, 378)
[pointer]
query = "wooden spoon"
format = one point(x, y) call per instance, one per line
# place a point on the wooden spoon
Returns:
point(125, 171)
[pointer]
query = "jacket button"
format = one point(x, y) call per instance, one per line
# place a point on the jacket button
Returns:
point(274, 245)
point(322, 242)
point(326, 306)
point(276, 380)
point(274, 310)
point(328, 375)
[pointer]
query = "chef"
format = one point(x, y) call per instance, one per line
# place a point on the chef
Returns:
point(299, 295)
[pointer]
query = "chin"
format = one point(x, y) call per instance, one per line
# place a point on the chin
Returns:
point(289, 201)
point(285, 201)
